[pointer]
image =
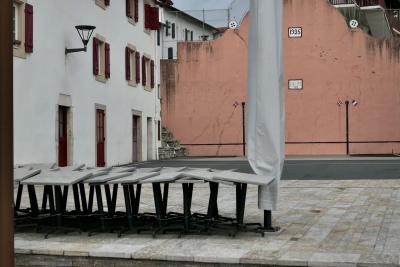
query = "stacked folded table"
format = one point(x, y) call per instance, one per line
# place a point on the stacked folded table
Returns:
point(54, 215)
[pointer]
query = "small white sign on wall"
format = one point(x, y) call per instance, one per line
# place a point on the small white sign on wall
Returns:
point(295, 84)
point(295, 32)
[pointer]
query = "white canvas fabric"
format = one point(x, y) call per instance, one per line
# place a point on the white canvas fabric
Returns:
point(265, 115)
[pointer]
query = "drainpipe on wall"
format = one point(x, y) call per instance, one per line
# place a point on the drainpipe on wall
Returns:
point(6, 137)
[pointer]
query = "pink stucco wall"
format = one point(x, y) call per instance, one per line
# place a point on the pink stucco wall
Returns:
point(200, 89)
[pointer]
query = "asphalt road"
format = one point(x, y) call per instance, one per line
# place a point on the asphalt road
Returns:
point(311, 169)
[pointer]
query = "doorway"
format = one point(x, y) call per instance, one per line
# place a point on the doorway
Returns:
point(135, 137)
point(100, 138)
point(149, 138)
point(63, 136)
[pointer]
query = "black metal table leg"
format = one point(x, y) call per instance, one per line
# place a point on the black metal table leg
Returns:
point(100, 206)
point(135, 208)
point(212, 212)
point(83, 198)
point(76, 198)
point(91, 196)
point(241, 190)
point(112, 209)
point(268, 227)
point(51, 200)
point(108, 196)
point(33, 200)
point(187, 203)
point(19, 196)
point(165, 198)
point(128, 207)
point(64, 198)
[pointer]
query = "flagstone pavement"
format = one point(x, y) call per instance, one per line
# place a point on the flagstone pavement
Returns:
point(324, 223)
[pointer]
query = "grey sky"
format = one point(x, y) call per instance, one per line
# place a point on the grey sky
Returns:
point(218, 18)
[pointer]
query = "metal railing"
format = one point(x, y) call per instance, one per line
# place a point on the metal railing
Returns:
point(361, 3)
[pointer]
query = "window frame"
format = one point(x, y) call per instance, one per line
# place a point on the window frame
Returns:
point(101, 51)
point(131, 19)
point(19, 49)
point(147, 67)
point(132, 65)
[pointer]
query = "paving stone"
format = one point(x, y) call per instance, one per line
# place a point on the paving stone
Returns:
point(295, 258)
point(324, 223)
point(334, 260)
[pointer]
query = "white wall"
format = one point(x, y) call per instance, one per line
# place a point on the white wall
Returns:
point(47, 72)
point(182, 22)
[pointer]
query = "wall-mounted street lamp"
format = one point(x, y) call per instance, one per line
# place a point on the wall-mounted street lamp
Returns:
point(85, 32)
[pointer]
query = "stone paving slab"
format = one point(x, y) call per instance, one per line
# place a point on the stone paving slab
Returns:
point(324, 223)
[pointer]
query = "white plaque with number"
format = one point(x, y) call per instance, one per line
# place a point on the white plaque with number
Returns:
point(295, 32)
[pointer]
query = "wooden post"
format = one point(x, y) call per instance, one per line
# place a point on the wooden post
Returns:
point(6, 136)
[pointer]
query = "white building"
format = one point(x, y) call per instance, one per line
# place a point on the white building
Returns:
point(178, 26)
point(99, 107)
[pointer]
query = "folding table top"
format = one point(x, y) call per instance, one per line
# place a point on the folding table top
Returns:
point(157, 169)
point(245, 178)
point(173, 169)
point(166, 177)
point(134, 178)
point(101, 179)
point(202, 174)
point(23, 173)
point(60, 176)
point(123, 169)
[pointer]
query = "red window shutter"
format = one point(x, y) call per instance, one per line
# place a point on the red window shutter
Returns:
point(155, 18)
point(107, 2)
point(128, 8)
point(144, 70)
point(127, 63)
point(152, 73)
point(137, 67)
point(95, 56)
point(136, 10)
point(107, 61)
point(147, 15)
point(28, 28)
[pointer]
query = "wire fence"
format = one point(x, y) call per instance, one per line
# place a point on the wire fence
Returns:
point(214, 17)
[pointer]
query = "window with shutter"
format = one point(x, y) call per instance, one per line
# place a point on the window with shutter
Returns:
point(107, 61)
point(170, 53)
point(144, 69)
point(152, 73)
point(173, 31)
point(186, 34)
point(148, 78)
point(151, 17)
point(95, 56)
point(131, 66)
point(191, 35)
point(137, 67)
point(155, 25)
point(28, 28)
point(147, 16)
point(136, 6)
point(128, 63)
point(132, 10)
point(101, 59)
point(128, 8)
point(167, 28)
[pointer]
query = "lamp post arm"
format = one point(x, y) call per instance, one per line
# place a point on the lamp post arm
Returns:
point(74, 50)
